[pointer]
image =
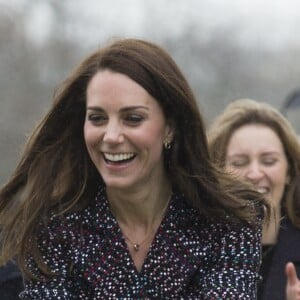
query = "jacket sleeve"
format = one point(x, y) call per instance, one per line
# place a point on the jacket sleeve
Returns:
point(56, 243)
point(235, 263)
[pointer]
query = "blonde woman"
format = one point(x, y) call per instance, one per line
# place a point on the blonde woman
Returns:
point(254, 142)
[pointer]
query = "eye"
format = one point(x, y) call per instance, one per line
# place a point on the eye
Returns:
point(238, 163)
point(96, 118)
point(269, 161)
point(133, 119)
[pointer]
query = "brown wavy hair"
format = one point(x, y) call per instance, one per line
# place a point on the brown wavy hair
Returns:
point(56, 173)
point(247, 111)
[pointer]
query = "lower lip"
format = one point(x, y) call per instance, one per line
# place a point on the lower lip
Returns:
point(117, 166)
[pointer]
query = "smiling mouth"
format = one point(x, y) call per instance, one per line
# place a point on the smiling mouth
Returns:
point(118, 157)
point(262, 190)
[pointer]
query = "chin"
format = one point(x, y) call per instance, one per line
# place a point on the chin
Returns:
point(118, 184)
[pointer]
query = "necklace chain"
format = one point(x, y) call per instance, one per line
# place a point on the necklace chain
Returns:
point(137, 246)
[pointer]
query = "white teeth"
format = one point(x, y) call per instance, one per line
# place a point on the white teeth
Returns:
point(118, 157)
point(262, 190)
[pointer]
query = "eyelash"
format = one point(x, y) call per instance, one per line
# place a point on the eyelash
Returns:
point(96, 118)
point(269, 162)
point(242, 164)
point(132, 119)
point(238, 164)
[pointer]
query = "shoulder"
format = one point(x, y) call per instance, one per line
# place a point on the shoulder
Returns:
point(78, 218)
point(229, 229)
point(212, 229)
point(288, 234)
point(67, 228)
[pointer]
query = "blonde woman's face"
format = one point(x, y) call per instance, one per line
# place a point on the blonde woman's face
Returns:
point(256, 154)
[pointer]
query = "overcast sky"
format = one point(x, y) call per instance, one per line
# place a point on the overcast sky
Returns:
point(255, 24)
point(271, 23)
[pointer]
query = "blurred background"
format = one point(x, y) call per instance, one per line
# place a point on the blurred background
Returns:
point(227, 49)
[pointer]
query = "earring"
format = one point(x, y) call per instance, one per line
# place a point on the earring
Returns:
point(167, 145)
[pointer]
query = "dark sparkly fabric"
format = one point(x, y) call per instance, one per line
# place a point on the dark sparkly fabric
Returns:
point(286, 250)
point(191, 257)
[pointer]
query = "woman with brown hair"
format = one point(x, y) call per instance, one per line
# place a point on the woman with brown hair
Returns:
point(253, 141)
point(116, 197)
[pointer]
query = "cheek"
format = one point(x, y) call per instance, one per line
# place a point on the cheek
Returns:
point(150, 137)
point(280, 175)
point(92, 143)
point(278, 192)
point(280, 181)
point(152, 149)
point(278, 178)
point(90, 135)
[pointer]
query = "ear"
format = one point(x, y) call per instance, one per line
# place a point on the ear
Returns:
point(169, 133)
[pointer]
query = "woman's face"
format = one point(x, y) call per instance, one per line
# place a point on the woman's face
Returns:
point(124, 131)
point(256, 153)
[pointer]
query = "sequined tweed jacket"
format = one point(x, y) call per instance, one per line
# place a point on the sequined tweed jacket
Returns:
point(191, 257)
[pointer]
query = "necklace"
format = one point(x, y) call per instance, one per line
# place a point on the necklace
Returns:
point(137, 246)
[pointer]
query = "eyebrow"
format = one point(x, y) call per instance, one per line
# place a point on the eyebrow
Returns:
point(266, 153)
point(235, 155)
point(124, 109)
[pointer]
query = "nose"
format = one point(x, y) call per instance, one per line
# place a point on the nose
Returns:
point(113, 133)
point(254, 173)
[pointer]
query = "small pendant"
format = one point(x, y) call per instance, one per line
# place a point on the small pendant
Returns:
point(136, 247)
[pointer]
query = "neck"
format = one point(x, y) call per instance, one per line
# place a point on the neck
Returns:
point(270, 230)
point(140, 210)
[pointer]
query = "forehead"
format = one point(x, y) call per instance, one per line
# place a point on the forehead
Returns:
point(254, 137)
point(116, 88)
point(108, 81)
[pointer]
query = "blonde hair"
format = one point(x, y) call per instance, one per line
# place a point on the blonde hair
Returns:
point(247, 111)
